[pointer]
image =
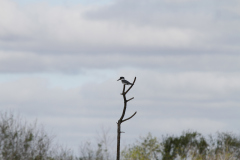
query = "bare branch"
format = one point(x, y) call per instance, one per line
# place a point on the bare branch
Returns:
point(130, 86)
point(130, 99)
point(129, 117)
point(123, 89)
point(124, 110)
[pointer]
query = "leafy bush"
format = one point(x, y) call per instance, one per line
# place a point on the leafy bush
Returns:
point(146, 149)
point(189, 145)
point(22, 141)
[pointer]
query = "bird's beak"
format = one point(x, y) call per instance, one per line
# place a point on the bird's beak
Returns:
point(118, 79)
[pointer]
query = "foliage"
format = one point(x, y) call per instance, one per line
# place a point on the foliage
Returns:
point(225, 146)
point(189, 145)
point(22, 141)
point(147, 149)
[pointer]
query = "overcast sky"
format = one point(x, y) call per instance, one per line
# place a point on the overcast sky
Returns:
point(60, 61)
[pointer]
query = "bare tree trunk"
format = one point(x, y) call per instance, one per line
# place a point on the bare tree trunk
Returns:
point(121, 118)
point(118, 140)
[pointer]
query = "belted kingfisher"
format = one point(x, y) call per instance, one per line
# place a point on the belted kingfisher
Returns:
point(125, 82)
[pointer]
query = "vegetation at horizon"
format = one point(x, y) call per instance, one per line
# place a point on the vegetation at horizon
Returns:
point(20, 140)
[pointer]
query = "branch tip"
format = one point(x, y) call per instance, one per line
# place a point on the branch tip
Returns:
point(130, 99)
point(129, 117)
point(130, 86)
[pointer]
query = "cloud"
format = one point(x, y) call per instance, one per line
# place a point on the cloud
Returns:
point(197, 35)
point(31, 62)
point(172, 125)
point(183, 53)
point(170, 102)
point(124, 27)
point(207, 22)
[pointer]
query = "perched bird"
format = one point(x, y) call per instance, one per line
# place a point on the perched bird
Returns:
point(125, 82)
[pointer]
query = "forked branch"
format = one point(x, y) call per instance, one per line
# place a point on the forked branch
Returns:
point(130, 86)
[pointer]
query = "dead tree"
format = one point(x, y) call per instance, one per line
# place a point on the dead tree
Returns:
point(121, 120)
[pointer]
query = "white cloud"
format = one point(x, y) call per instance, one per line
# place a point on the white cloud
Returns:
point(173, 125)
point(31, 62)
point(40, 37)
point(171, 102)
point(46, 28)
point(183, 54)
point(74, 29)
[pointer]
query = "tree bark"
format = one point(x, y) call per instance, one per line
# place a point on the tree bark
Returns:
point(118, 140)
